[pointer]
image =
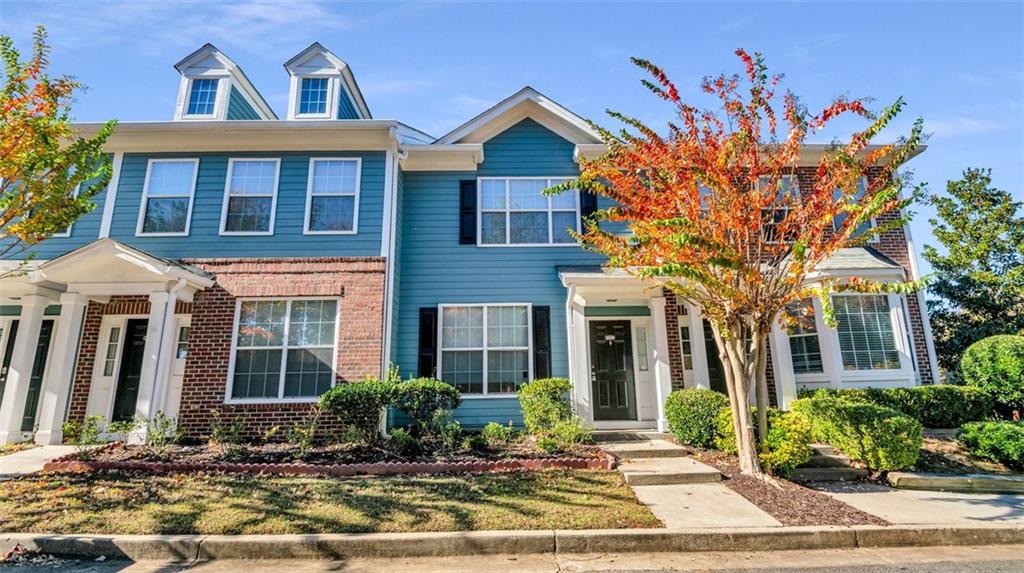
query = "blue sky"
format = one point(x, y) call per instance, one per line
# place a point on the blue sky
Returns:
point(433, 66)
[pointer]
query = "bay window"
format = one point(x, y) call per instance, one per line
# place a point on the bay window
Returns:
point(804, 346)
point(485, 349)
point(283, 349)
point(865, 330)
point(515, 211)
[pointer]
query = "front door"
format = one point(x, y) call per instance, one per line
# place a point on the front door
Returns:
point(611, 370)
point(35, 381)
point(127, 391)
point(716, 372)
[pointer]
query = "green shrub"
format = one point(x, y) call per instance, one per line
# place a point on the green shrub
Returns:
point(451, 435)
point(935, 406)
point(998, 441)
point(404, 444)
point(882, 438)
point(359, 404)
point(545, 402)
point(571, 432)
point(303, 434)
point(225, 430)
point(495, 434)
point(996, 365)
point(547, 444)
point(787, 445)
point(422, 398)
point(692, 415)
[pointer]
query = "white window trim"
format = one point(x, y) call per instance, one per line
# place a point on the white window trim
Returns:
point(899, 333)
point(874, 222)
point(219, 103)
point(145, 197)
point(332, 97)
point(309, 196)
point(822, 350)
point(227, 196)
point(529, 348)
point(799, 198)
point(67, 233)
point(284, 348)
point(508, 211)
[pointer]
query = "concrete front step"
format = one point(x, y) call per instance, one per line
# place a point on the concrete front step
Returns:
point(823, 449)
point(627, 436)
point(805, 474)
point(832, 461)
point(668, 471)
point(645, 450)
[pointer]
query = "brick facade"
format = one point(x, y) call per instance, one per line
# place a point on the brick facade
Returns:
point(357, 281)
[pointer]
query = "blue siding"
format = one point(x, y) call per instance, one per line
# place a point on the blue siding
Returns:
point(346, 109)
point(396, 292)
point(287, 241)
point(437, 269)
point(84, 231)
point(239, 108)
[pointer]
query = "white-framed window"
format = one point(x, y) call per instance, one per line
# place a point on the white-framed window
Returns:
point(862, 187)
point(202, 97)
point(314, 97)
point(250, 197)
point(804, 345)
point(515, 212)
point(283, 350)
point(788, 192)
point(332, 196)
point(181, 345)
point(166, 208)
point(485, 349)
point(641, 349)
point(686, 347)
point(110, 359)
point(867, 340)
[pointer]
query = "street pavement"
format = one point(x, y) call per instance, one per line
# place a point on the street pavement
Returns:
point(987, 559)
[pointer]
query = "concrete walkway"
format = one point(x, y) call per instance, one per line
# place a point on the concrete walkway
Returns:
point(30, 461)
point(910, 507)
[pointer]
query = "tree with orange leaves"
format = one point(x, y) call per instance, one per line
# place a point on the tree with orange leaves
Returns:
point(714, 215)
point(43, 165)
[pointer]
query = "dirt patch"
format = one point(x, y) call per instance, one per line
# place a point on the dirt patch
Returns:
point(947, 455)
point(790, 503)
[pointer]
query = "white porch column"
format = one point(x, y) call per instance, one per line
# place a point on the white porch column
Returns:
point(12, 410)
point(662, 368)
point(156, 356)
point(579, 361)
point(782, 366)
point(57, 383)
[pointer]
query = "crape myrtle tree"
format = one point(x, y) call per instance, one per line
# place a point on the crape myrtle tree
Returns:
point(712, 218)
point(43, 165)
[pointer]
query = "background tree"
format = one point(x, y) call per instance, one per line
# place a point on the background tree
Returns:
point(42, 161)
point(978, 287)
point(714, 220)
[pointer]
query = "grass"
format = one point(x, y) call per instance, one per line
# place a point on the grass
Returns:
point(200, 504)
point(6, 449)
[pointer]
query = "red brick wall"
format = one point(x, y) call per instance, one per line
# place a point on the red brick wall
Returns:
point(358, 281)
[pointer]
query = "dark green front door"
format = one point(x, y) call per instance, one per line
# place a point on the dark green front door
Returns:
point(716, 372)
point(611, 367)
point(35, 381)
point(127, 392)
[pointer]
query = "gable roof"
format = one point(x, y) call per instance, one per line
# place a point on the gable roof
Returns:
point(241, 81)
point(317, 50)
point(525, 103)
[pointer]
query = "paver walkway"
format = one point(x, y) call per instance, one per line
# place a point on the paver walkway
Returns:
point(30, 461)
point(679, 490)
point(907, 507)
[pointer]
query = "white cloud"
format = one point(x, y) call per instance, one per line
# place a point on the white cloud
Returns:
point(377, 85)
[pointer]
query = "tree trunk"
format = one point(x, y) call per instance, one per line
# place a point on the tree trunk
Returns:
point(732, 354)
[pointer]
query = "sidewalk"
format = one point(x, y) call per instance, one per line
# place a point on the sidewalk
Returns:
point(917, 507)
point(30, 461)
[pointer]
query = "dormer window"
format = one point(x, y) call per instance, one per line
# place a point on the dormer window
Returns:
point(313, 96)
point(202, 98)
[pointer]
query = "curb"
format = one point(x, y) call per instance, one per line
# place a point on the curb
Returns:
point(442, 544)
point(972, 483)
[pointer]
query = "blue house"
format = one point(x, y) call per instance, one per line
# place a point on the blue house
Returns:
point(245, 263)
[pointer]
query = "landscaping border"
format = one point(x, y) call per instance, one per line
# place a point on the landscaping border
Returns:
point(70, 464)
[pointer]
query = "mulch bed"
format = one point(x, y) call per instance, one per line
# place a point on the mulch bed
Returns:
point(330, 460)
point(948, 456)
point(790, 503)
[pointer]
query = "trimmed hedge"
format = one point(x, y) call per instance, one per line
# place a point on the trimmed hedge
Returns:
point(691, 415)
point(998, 441)
point(359, 405)
point(545, 403)
point(787, 446)
point(996, 365)
point(935, 406)
point(423, 398)
point(882, 438)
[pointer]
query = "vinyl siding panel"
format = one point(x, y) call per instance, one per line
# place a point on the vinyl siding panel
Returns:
point(437, 269)
point(84, 231)
point(346, 109)
point(287, 241)
point(238, 107)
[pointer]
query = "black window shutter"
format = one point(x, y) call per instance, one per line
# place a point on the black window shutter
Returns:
point(427, 364)
point(541, 342)
point(467, 212)
point(588, 205)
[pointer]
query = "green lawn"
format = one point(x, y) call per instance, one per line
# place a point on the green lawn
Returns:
point(200, 504)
